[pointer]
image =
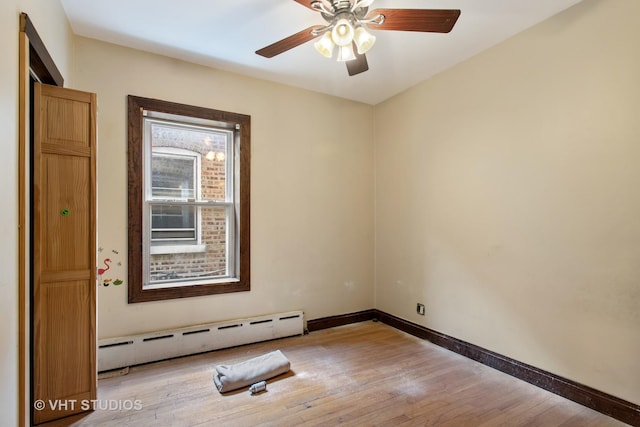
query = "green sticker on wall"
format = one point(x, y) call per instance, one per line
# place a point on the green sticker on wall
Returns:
point(65, 212)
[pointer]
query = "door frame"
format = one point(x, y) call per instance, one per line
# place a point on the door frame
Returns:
point(34, 62)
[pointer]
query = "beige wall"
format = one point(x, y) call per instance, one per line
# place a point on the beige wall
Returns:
point(311, 190)
point(506, 194)
point(50, 21)
point(508, 198)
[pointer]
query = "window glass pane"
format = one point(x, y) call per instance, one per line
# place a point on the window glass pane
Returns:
point(209, 146)
point(206, 260)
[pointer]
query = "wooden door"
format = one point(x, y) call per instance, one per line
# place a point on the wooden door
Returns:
point(64, 252)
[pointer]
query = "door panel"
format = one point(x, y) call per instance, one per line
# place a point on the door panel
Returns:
point(64, 251)
point(61, 113)
point(65, 357)
point(66, 213)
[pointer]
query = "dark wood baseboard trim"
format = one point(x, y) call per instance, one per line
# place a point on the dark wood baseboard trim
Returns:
point(339, 320)
point(591, 398)
point(604, 403)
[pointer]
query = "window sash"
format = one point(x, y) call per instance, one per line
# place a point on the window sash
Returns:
point(229, 204)
point(230, 272)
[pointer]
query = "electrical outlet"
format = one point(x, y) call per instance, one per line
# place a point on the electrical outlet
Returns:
point(420, 309)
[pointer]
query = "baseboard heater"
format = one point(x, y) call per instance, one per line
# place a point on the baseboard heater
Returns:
point(115, 353)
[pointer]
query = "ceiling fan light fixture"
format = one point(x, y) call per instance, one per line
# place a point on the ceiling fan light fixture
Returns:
point(364, 40)
point(342, 33)
point(347, 22)
point(325, 45)
point(345, 53)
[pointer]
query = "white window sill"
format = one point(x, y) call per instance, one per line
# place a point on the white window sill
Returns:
point(177, 249)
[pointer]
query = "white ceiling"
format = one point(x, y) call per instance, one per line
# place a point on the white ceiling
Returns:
point(225, 35)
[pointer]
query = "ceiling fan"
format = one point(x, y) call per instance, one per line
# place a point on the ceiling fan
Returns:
point(347, 21)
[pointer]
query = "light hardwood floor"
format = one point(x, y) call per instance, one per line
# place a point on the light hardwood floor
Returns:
point(363, 374)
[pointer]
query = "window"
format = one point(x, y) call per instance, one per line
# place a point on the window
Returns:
point(188, 200)
point(175, 176)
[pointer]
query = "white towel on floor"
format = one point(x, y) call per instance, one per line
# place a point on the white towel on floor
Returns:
point(233, 377)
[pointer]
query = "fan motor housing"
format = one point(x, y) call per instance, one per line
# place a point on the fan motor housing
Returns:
point(341, 4)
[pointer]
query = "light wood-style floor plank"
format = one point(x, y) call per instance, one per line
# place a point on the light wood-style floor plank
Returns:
point(364, 374)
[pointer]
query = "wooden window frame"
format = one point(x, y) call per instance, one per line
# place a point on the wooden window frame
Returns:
point(136, 106)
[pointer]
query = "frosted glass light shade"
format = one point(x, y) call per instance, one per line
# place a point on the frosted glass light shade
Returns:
point(345, 53)
point(342, 33)
point(364, 3)
point(364, 40)
point(325, 45)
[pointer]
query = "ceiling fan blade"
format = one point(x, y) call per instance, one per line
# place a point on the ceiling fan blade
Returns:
point(288, 43)
point(424, 20)
point(358, 65)
point(306, 3)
